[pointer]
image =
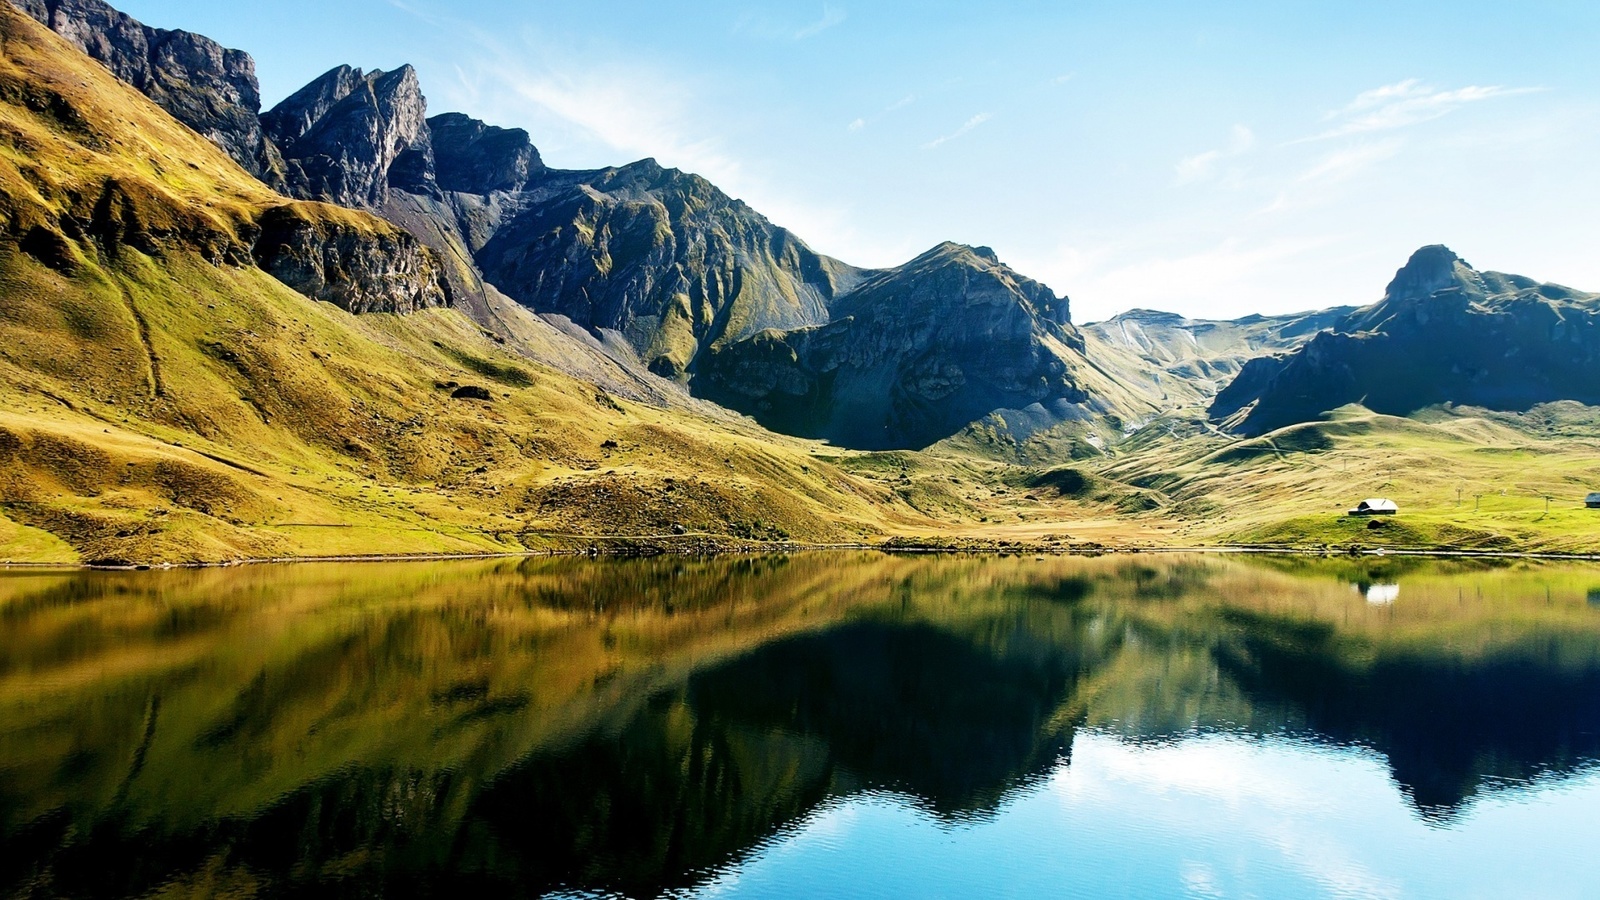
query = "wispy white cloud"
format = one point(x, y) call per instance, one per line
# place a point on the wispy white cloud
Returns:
point(1403, 104)
point(863, 121)
point(1316, 183)
point(636, 112)
point(1202, 165)
point(964, 130)
point(831, 17)
point(1351, 161)
point(767, 27)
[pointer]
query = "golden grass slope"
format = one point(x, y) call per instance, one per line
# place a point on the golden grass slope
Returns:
point(282, 427)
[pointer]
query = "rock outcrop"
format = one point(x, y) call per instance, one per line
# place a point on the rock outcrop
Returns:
point(1443, 333)
point(911, 356)
point(77, 194)
point(349, 136)
point(363, 269)
point(201, 83)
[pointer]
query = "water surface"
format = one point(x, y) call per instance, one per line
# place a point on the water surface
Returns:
point(813, 725)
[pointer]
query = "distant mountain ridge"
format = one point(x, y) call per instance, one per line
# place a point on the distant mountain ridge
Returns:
point(1443, 333)
point(1182, 362)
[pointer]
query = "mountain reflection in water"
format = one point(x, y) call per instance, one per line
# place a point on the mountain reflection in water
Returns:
point(518, 728)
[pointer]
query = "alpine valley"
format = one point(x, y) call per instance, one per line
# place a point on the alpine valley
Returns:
point(346, 326)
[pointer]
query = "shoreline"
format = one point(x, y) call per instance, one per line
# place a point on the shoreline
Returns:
point(705, 546)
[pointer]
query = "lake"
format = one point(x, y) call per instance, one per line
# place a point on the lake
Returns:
point(814, 725)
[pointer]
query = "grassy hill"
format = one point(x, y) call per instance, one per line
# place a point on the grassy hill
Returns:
point(1464, 479)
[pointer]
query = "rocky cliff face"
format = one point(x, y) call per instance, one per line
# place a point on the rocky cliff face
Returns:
point(349, 136)
point(202, 84)
point(662, 257)
point(912, 356)
point(476, 158)
point(1443, 333)
point(357, 267)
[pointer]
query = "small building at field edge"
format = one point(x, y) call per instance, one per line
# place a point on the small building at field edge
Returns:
point(1594, 500)
point(1376, 507)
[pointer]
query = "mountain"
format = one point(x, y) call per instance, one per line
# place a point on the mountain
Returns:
point(93, 178)
point(1183, 363)
point(1444, 333)
point(194, 368)
point(913, 355)
point(661, 259)
point(659, 271)
point(471, 352)
point(347, 137)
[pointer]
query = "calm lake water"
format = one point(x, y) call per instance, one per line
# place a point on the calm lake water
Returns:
point(830, 725)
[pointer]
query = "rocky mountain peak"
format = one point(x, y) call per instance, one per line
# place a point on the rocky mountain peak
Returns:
point(1444, 333)
point(1430, 269)
point(474, 157)
point(984, 275)
point(290, 120)
point(349, 136)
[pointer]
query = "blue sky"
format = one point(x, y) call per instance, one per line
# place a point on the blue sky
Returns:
point(1214, 159)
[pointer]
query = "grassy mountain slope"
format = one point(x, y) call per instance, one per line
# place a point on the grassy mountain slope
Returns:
point(1464, 478)
point(164, 399)
point(167, 396)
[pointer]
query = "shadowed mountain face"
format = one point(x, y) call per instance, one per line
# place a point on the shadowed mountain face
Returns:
point(471, 157)
point(911, 356)
point(1443, 333)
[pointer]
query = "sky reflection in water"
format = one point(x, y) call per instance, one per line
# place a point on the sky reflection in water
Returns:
point(1207, 816)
